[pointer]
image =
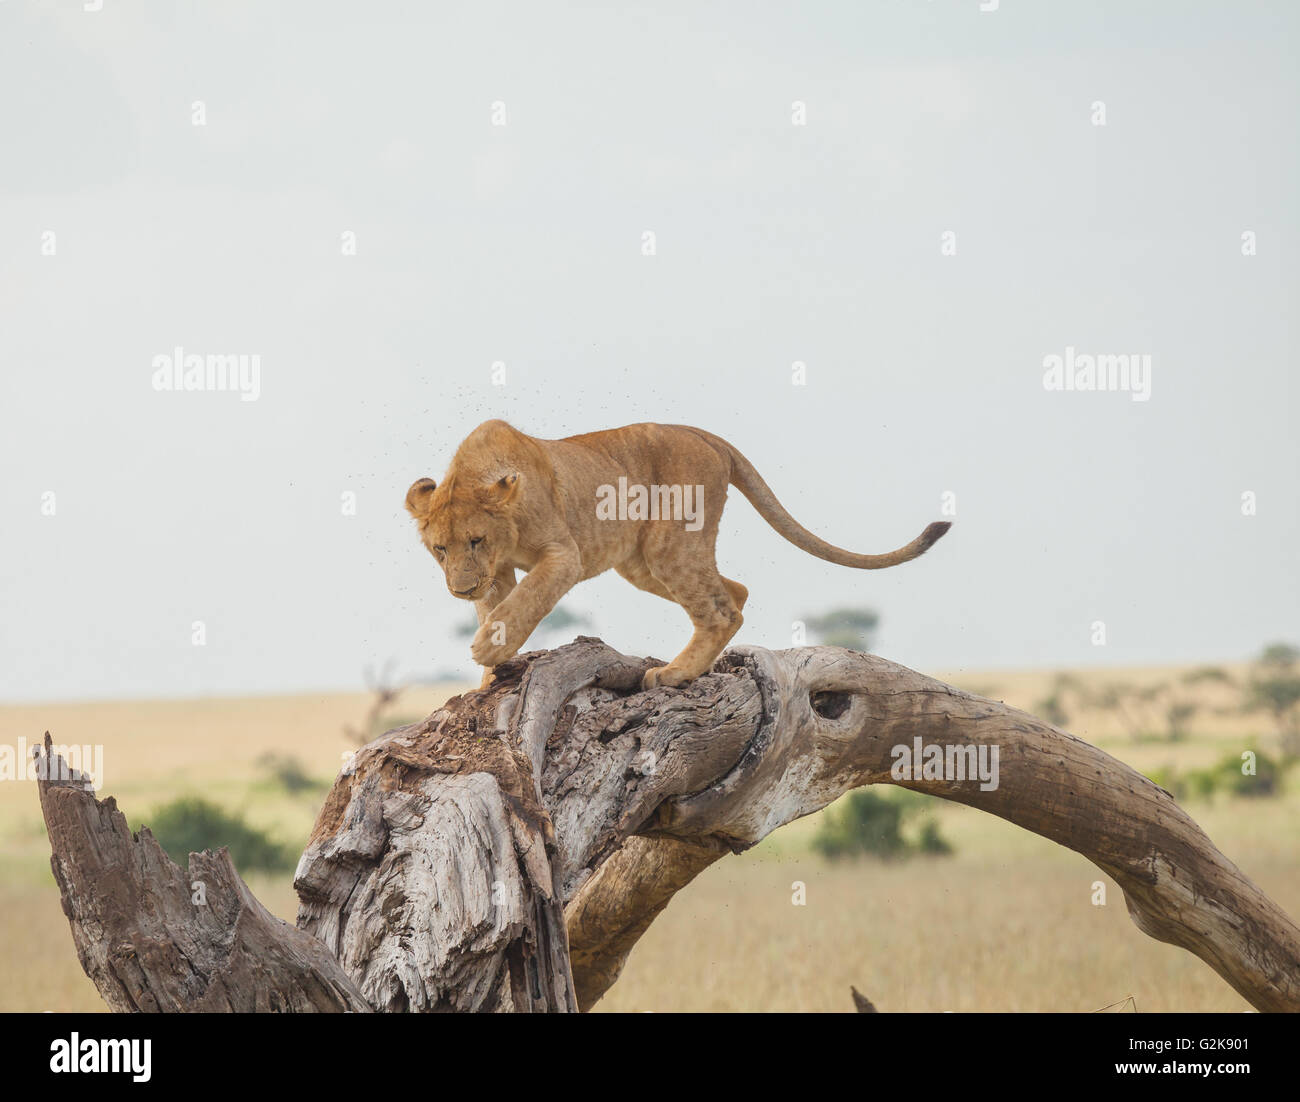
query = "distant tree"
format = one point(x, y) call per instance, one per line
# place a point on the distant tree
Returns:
point(1130, 704)
point(1274, 687)
point(1055, 706)
point(1167, 709)
point(1163, 710)
point(1207, 677)
point(1178, 715)
point(1284, 655)
point(384, 691)
point(852, 628)
point(1184, 699)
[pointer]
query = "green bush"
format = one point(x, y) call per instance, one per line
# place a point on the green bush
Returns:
point(1263, 782)
point(288, 773)
point(870, 823)
point(1224, 776)
point(931, 841)
point(191, 824)
point(1198, 784)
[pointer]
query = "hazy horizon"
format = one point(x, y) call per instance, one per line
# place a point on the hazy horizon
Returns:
point(421, 219)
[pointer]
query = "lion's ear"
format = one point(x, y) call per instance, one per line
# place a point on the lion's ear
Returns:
point(417, 497)
point(503, 490)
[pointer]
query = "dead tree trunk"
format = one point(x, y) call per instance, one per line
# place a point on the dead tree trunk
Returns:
point(508, 852)
point(153, 938)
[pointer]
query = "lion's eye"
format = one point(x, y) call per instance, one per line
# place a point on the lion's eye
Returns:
point(439, 550)
point(473, 544)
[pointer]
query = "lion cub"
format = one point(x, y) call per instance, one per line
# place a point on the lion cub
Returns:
point(644, 500)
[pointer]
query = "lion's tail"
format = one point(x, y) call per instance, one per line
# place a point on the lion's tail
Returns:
point(750, 483)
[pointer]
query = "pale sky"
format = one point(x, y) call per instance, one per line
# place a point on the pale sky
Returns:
point(126, 230)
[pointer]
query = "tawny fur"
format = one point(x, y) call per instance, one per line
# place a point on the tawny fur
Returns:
point(512, 502)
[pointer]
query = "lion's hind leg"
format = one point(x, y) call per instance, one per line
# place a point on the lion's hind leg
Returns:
point(713, 604)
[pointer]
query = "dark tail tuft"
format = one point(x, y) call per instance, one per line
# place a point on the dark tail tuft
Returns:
point(933, 531)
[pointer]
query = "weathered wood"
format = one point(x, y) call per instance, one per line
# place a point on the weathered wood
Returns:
point(146, 942)
point(428, 872)
point(645, 789)
point(508, 852)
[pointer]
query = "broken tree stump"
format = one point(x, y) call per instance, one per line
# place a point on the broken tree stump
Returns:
point(506, 853)
point(143, 936)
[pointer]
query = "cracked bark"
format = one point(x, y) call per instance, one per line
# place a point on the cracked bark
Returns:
point(507, 853)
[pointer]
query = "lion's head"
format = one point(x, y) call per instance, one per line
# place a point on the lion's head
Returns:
point(468, 529)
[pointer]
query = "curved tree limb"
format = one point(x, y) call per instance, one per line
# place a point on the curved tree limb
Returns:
point(508, 852)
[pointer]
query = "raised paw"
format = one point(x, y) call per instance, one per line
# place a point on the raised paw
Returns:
point(667, 676)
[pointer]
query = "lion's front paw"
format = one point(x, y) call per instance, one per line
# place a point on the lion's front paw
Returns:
point(667, 676)
point(486, 651)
